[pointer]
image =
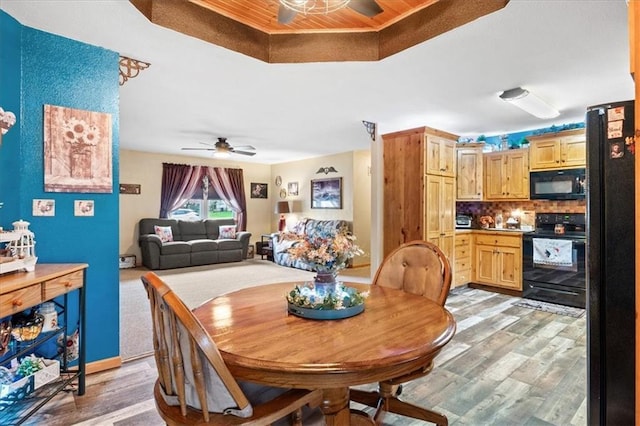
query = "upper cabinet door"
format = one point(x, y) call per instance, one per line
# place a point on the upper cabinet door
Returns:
point(440, 156)
point(545, 154)
point(469, 174)
point(573, 151)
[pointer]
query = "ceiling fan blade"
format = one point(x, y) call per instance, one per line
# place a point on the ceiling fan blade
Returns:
point(244, 147)
point(235, 151)
point(285, 15)
point(198, 149)
point(367, 8)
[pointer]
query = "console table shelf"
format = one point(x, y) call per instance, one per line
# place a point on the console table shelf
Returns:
point(20, 291)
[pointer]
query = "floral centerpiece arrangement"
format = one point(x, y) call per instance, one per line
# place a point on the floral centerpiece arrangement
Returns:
point(326, 252)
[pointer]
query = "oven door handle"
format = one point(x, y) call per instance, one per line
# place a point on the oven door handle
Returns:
point(554, 290)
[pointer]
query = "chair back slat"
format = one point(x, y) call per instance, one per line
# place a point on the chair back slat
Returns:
point(176, 360)
point(417, 267)
point(190, 367)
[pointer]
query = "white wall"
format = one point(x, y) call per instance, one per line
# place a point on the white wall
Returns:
point(146, 169)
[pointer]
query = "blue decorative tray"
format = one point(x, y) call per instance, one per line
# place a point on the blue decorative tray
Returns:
point(322, 314)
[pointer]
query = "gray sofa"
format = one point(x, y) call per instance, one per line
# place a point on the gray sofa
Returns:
point(194, 243)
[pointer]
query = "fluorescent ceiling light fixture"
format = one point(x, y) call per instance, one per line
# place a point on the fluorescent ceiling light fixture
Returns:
point(529, 102)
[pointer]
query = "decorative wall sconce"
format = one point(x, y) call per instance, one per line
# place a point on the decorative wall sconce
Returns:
point(7, 120)
point(327, 170)
point(130, 68)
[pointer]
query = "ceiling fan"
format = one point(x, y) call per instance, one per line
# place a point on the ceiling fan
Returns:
point(223, 149)
point(290, 8)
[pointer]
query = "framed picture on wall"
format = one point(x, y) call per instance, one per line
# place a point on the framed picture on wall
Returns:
point(258, 190)
point(293, 188)
point(326, 193)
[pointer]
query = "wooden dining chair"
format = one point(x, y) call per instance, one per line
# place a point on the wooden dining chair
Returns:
point(421, 268)
point(194, 385)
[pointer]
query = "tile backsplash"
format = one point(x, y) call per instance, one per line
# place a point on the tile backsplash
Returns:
point(491, 208)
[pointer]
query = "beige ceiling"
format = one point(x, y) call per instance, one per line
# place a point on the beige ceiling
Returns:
point(251, 27)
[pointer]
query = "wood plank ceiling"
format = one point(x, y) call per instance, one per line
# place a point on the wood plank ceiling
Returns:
point(263, 15)
point(251, 27)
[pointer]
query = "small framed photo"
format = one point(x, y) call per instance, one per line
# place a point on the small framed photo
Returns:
point(43, 208)
point(292, 187)
point(83, 208)
point(326, 193)
point(259, 190)
point(617, 150)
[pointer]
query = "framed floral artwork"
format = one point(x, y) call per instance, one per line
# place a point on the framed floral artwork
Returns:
point(77, 150)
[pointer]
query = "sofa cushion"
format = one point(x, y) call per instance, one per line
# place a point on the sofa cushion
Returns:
point(213, 227)
point(203, 245)
point(192, 230)
point(227, 231)
point(164, 232)
point(175, 247)
point(147, 226)
point(229, 244)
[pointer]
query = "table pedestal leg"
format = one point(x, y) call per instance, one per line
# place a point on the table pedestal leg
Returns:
point(335, 407)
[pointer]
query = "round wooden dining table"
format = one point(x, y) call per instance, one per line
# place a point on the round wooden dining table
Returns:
point(261, 342)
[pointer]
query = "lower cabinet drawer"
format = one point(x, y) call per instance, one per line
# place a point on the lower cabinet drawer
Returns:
point(19, 300)
point(62, 285)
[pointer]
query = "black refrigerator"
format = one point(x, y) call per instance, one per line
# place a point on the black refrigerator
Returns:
point(610, 264)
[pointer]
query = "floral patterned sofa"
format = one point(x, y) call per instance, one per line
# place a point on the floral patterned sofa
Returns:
point(309, 227)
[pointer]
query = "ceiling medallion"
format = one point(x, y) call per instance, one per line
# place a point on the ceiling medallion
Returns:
point(313, 7)
point(130, 68)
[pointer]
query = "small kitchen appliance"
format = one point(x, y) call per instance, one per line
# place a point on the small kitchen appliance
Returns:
point(463, 221)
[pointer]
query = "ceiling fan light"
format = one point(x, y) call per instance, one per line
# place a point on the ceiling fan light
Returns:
point(222, 154)
point(529, 103)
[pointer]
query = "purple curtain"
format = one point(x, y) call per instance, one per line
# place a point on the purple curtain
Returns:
point(179, 183)
point(229, 184)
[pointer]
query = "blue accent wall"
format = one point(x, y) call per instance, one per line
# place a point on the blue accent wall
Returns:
point(47, 69)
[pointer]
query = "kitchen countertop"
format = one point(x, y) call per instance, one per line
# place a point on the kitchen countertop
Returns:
point(490, 230)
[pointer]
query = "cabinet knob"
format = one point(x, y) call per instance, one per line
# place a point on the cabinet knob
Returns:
point(67, 284)
point(557, 161)
point(17, 302)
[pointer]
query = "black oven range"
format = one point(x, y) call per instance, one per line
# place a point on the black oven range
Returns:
point(553, 256)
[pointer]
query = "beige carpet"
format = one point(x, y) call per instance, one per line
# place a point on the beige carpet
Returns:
point(194, 286)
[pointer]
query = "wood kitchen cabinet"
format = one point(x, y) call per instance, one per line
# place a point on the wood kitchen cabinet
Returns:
point(562, 150)
point(419, 188)
point(440, 155)
point(440, 210)
point(506, 175)
point(463, 255)
point(498, 260)
point(469, 172)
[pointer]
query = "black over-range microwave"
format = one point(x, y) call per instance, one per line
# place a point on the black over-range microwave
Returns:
point(558, 184)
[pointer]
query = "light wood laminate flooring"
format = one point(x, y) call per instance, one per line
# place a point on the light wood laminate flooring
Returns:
point(506, 365)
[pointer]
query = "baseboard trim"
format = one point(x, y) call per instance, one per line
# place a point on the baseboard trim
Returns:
point(104, 364)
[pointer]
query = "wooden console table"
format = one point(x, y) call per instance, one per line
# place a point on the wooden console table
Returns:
point(23, 290)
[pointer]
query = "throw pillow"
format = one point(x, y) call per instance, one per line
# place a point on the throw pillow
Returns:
point(227, 231)
point(164, 232)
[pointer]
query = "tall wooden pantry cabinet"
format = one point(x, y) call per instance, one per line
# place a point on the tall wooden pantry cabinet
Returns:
point(419, 188)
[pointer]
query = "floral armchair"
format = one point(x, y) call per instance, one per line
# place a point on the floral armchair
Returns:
point(281, 243)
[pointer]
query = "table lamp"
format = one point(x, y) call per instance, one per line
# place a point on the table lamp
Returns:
point(282, 207)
